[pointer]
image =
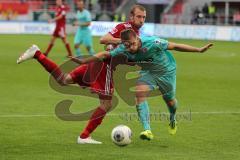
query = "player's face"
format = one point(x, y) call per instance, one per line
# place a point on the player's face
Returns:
point(59, 2)
point(80, 5)
point(138, 18)
point(132, 45)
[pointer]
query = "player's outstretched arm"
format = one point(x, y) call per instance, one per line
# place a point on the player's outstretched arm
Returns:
point(188, 48)
point(109, 39)
point(95, 58)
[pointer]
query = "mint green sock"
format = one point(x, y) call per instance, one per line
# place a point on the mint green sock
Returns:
point(143, 114)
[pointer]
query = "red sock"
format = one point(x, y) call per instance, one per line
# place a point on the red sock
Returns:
point(48, 49)
point(68, 49)
point(95, 120)
point(50, 66)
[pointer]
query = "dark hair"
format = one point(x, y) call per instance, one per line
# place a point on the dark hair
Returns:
point(132, 11)
point(127, 34)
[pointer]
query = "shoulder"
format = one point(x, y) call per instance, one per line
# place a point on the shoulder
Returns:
point(153, 39)
point(149, 39)
point(160, 43)
point(119, 27)
point(86, 11)
point(126, 25)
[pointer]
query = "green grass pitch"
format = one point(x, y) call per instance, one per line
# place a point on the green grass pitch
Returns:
point(207, 91)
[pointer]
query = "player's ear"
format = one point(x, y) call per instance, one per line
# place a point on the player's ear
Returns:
point(138, 38)
point(131, 17)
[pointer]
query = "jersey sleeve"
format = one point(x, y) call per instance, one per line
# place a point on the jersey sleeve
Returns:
point(162, 44)
point(116, 31)
point(117, 51)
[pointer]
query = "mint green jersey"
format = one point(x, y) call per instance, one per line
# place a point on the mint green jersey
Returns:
point(83, 17)
point(153, 56)
point(157, 63)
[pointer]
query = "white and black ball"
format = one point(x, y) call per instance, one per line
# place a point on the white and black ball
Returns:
point(121, 135)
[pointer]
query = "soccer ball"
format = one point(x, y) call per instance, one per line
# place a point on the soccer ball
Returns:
point(121, 135)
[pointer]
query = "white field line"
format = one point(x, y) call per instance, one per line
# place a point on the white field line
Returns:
point(120, 114)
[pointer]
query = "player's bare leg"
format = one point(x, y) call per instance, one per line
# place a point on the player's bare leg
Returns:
point(94, 122)
point(34, 53)
point(50, 45)
point(142, 92)
point(67, 45)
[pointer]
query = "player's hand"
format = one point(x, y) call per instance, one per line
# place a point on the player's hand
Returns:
point(205, 48)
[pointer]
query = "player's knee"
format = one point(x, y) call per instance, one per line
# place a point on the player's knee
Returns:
point(140, 99)
point(67, 80)
point(141, 96)
point(171, 102)
point(106, 105)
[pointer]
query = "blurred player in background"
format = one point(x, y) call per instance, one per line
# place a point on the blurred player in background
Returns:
point(60, 30)
point(83, 35)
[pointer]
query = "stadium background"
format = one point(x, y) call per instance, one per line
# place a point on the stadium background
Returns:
point(207, 88)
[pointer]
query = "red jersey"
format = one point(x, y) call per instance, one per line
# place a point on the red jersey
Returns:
point(61, 10)
point(115, 32)
point(99, 75)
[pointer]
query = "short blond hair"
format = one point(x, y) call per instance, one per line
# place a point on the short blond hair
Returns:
point(137, 6)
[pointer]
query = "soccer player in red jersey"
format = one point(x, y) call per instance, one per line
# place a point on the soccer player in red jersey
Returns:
point(60, 29)
point(102, 72)
point(80, 76)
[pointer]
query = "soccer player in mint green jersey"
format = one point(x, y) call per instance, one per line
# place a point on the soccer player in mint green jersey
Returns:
point(158, 68)
point(83, 35)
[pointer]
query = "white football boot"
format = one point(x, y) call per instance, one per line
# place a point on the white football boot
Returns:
point(88, 140)
point(28, 54)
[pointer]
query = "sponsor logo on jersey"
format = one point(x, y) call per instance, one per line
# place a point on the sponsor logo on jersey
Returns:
point(127, 25)
point(114, 30)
